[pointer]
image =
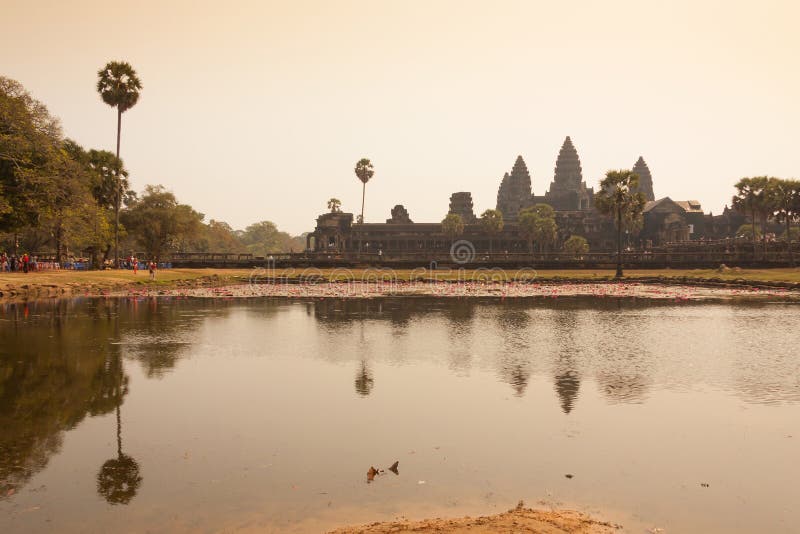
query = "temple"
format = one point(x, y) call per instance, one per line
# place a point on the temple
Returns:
point(664, 220)
point(645, 179)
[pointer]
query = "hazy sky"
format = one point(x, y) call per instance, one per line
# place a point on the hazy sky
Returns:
point(259, 110)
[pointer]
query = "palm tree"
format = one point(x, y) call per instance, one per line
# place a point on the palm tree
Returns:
point(492, 223)
point(617, 198)
point(364, 171)
point(335, 205)
point(753, 194)
point(786, 198)
point(119, 87)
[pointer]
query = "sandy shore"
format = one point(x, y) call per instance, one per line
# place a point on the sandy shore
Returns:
point(516, 520)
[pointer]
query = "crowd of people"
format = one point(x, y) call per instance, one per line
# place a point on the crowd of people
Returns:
point(25, 263)
point(11, 263)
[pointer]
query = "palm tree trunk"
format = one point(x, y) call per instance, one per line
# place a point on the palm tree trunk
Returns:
point(789, 239)
point(764, 234)
point(119, 432)
point(118, 200)
point(363, 194)
point(619, 243)
point(753, 225)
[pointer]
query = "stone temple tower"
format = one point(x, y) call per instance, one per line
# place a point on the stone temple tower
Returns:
point(568, 191)
point(645, 179)
point(514, 193)
point(461, 204)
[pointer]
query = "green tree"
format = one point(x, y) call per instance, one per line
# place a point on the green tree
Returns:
point(335, 205)
point(492, 223)
point(159, 223)
point(748, 229)
point(538, 223)
point(365, 172)
point(753, 195)
point(453, 226)
point(618, 198)
point(119, 87)
point(30, 149)
point(105, 174)
point(264, 238)
point(785, 195)
point(576, 245)
point(217, 236)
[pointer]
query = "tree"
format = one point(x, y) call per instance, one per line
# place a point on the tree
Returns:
point(335, 205)
point(453, 226)
point(492, 223)
point(785, 196)
point(752, 194)
point(105, 174)
point(617, 198)
point(364, 171)
point(160, 223)
point(748, 229)
point(538, 223)
point(217, 236)
point(576, 245)
point(30, 149)
point(119, 87)
point(264, 238)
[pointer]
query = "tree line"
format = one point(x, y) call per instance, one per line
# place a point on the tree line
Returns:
point(63, 200)
point(766, 199)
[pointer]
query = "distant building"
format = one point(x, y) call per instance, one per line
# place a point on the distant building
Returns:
point(664, 221)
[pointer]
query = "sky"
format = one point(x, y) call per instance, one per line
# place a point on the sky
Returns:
point(259, 110)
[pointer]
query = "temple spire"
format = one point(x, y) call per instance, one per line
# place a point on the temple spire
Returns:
point(568, 172)
point(645, 179)
point(515, 190)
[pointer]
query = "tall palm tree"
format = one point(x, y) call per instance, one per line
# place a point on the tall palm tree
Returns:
point(618, 197)
point(119, 87)
point(364, 171)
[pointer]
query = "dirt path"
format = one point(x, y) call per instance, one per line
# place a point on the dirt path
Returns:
point(514, 521)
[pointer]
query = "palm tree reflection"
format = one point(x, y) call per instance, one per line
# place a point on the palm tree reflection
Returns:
point(119, 478)
point(364, 381)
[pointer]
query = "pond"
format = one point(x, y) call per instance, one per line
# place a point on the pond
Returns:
point(161, 414)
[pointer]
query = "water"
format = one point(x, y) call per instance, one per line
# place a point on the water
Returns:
point(143, 414)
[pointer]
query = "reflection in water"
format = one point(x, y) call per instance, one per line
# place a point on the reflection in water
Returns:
point(51, 377)
point(445, 368)
point(119, 479)
point(364, 381)
point(514, 356)
point(567, 379)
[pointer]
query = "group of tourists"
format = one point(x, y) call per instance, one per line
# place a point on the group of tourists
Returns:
point(13, 264)
point(132, 263)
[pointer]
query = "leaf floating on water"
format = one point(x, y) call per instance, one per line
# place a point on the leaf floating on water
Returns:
point(704, 484)
point(393, 468)
point(568, 475)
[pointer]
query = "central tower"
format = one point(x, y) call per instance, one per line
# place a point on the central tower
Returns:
point(568, 191)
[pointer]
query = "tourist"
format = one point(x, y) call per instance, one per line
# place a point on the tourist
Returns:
point(152, 270)
point(135, 264)
point(25, 261)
